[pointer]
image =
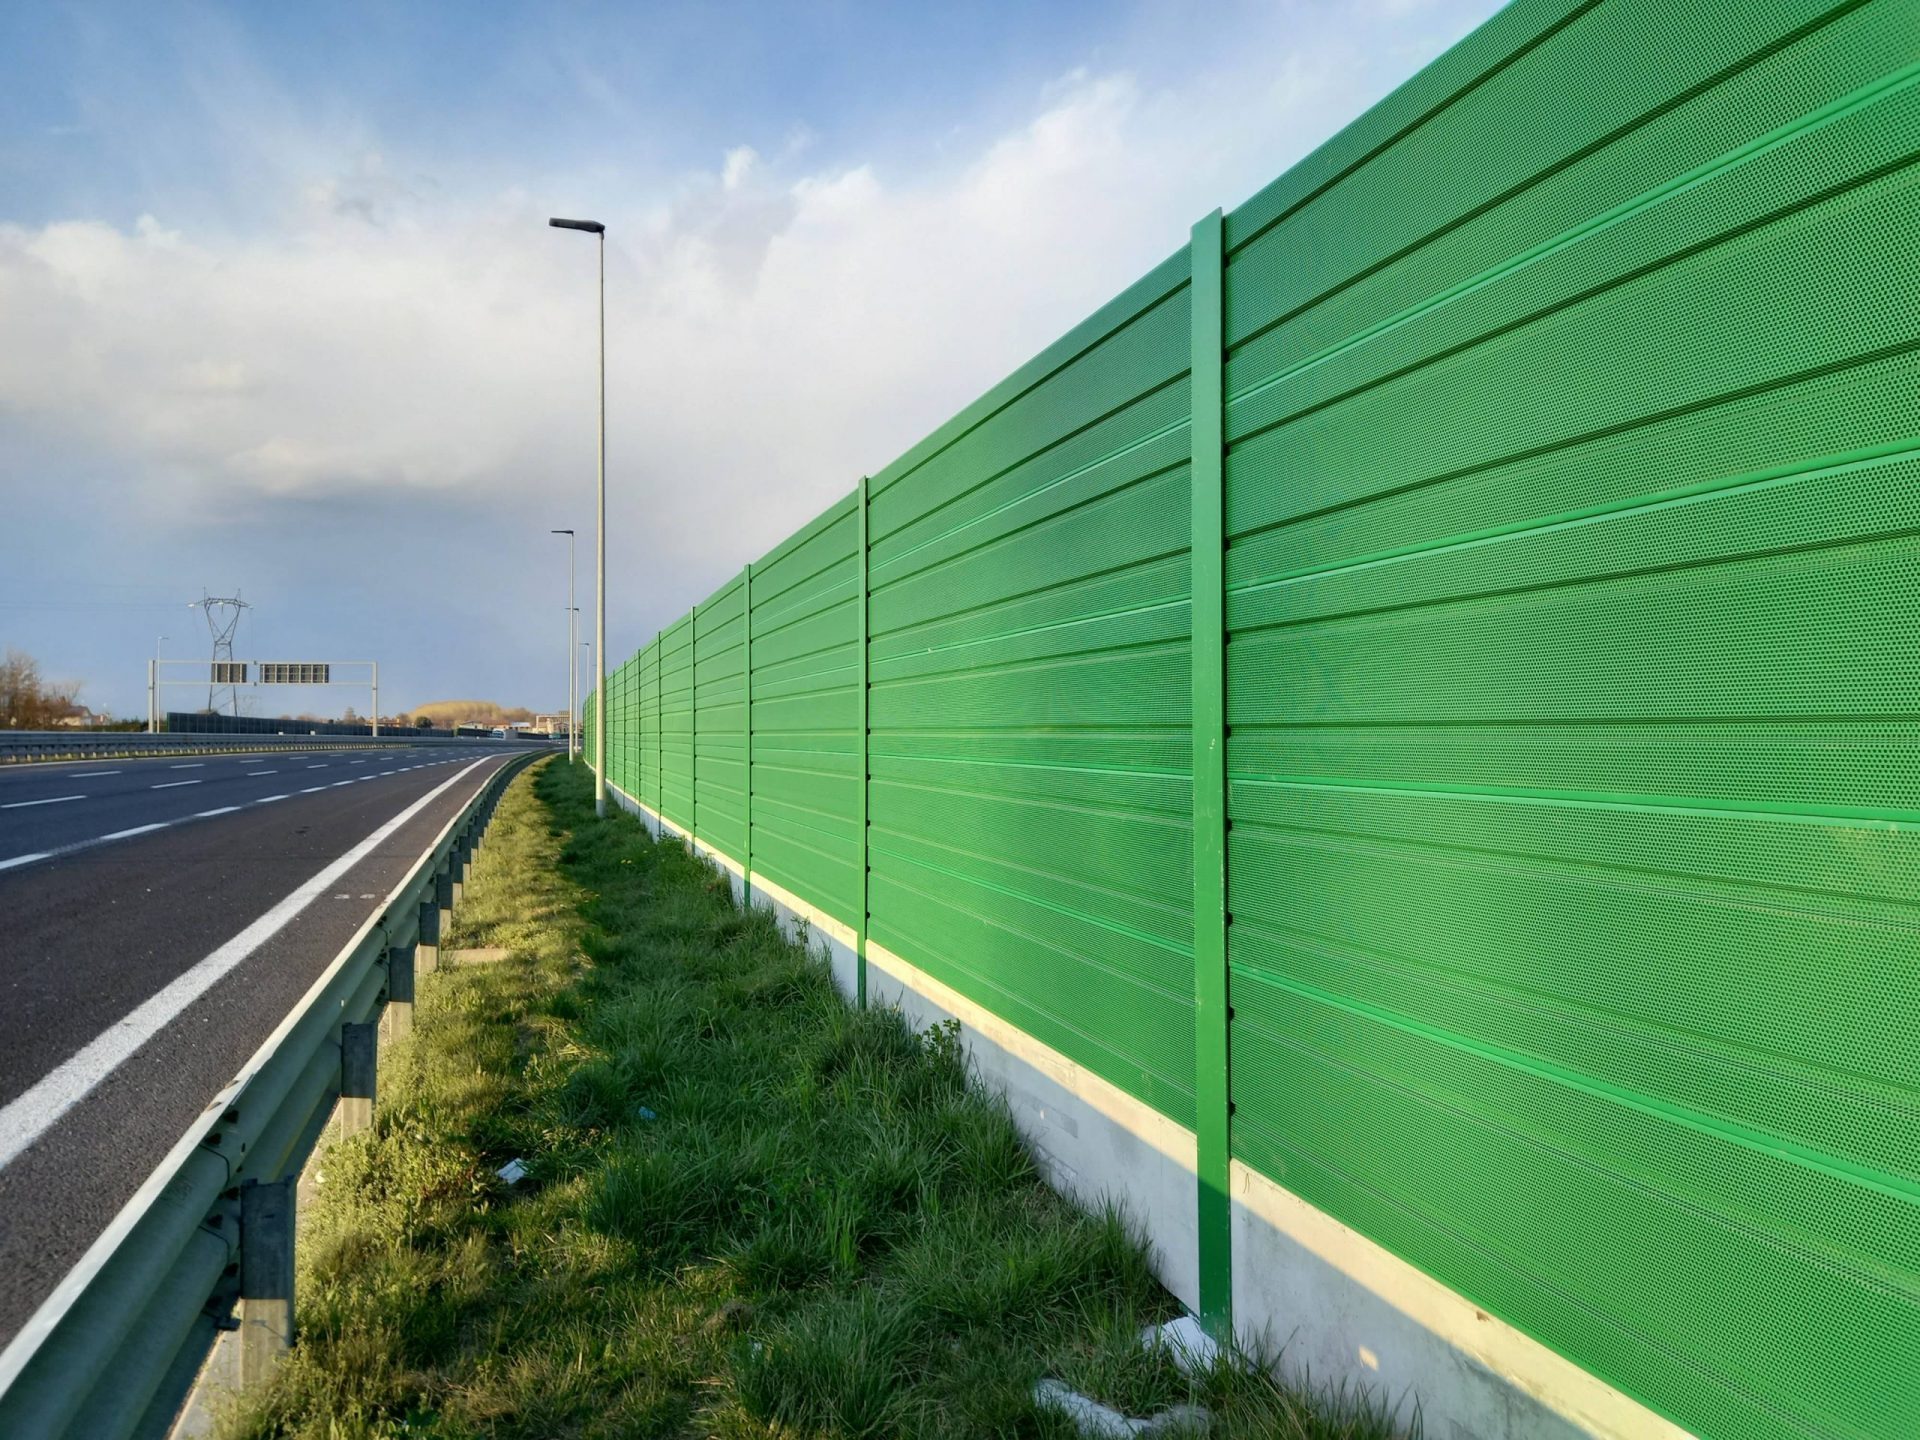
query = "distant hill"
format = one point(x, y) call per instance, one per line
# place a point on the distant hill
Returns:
point(447, 713)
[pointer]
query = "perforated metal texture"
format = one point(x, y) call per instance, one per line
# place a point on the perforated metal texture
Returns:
point(1573, 439)
point(676, 722)
point(627, 731)
point(1571, 600)
point(1030, 707)
point(649, 725)
point(719, 742)
point(806, 715)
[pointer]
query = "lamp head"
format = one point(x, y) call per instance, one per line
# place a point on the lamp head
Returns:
point(592, 227)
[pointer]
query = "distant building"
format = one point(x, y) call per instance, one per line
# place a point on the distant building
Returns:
point(550, 725)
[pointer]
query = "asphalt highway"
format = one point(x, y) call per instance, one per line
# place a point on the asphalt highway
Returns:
point(117, 879)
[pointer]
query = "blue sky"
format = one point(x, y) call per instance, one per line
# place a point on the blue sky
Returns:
point(283, 314)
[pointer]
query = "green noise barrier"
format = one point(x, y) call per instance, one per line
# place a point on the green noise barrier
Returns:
point(1421, 690)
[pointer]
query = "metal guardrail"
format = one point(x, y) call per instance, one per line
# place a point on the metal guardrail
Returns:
point(115, 1349)
point(17, 746)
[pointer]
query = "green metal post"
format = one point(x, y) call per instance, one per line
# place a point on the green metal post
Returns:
point(659, 745)
point(746, 727)
point(866, 774)
point(1212, 1102)
point(693, 724)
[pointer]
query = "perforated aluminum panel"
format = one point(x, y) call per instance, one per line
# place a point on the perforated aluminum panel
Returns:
point(1029, 707)
point(719, 728)
point(676, 722)
point(806, 715)
point(1571, 594)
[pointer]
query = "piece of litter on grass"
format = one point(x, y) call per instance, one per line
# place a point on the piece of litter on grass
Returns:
point(1092, 1418)
point(1186, 1338)
point(641, 1112)
point(513, 1172)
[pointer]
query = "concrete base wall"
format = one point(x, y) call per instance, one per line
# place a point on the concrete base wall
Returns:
point(1334, 1309)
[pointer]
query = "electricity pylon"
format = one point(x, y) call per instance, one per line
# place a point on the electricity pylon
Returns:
point(223, 618)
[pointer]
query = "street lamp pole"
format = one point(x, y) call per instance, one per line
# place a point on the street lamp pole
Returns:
point(573, 656)
point(153, 687)
point(596, 229)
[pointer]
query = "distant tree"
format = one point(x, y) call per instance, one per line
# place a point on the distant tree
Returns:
point(27, 700)
point(425, 722)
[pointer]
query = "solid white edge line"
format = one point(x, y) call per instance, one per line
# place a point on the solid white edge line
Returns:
point(313, 790)
point(27, 1340)
point(22, 860)
point(52, 800)
point(28, 1116)
point(209, 814)
point(268, 799)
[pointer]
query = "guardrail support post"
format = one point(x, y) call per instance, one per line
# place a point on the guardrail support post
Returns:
point(266, 1276)
point(398, 1019)
point(426, 954)
point(359, 1063)
point(443, 895)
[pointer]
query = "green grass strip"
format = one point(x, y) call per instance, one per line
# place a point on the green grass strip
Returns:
point(823, 1230)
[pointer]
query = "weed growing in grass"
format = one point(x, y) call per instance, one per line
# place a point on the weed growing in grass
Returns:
point(750, 1211)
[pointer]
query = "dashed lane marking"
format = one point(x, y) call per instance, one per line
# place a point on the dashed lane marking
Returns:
point(171, 784)
point(50, 800)
point(29, 1115)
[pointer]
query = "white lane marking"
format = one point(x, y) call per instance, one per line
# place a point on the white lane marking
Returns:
point(386, 772)
point(209, 814)
point(254, 774)
point(128, 834)
point(313, 790)
point(338, 783)
point(89, 774)
point(87, 844)
point(356, 762)
point(268, 799)
point(316, 767)
point(30, 1115)
point(196, 765)
point(172, 783)
point(51, 800)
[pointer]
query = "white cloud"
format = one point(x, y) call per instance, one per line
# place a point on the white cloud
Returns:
point(774, 329)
